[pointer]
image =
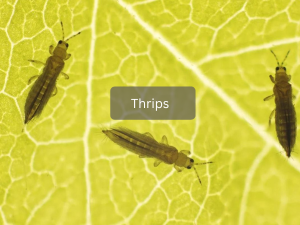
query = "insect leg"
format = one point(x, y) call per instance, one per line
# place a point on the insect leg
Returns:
point(270, 117)
point(290, 77)
point(164, 140)
point(272, 79)
point(32, 78)
point(54, 92)
point(51, 48)
point(149, 135)
point(269, 97)
point(65, 75)
point(68, 56)
point(156, 163)
point(186, 152)
point(36, 61)
point(177, 168)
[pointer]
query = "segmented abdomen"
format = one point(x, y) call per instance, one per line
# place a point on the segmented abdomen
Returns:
point(142, 144)
point(285, 119)
point(42, 89)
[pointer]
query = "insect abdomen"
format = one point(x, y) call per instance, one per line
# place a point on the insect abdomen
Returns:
point(42, 89)
point(285, 118)
point(142, 145)
point(36, 101)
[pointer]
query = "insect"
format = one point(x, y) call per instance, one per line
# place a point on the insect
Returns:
point(45, 85)
point(285, 115)
point(146, 146)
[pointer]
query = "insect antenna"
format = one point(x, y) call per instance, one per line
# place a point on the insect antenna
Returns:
point(202, 163)
point(275, 56)
point(285, 57)
point(63, 32)
point(62, 28)
point(73, 36)
point(197, 175)
point(197, 172)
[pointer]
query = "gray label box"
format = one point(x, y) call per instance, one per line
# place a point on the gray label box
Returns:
point(152, 103)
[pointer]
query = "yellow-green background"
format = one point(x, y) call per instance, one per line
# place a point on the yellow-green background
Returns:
point(62, 169)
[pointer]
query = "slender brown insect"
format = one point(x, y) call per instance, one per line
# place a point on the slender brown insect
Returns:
point(146, 146)
point(285, 115)
point(45, 85)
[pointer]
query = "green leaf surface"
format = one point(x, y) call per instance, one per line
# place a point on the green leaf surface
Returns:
point(62, 170)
